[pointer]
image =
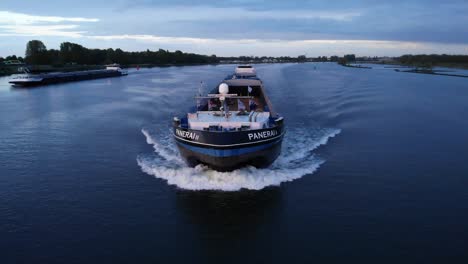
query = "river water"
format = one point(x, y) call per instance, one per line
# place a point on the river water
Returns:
point(373, 168)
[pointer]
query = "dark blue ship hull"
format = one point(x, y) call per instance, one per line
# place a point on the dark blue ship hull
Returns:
point(227, 151)
point(53, 78)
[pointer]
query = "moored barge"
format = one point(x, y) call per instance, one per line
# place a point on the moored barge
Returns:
point(113, 70)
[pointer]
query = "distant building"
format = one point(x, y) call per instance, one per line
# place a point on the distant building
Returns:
point(385, 59)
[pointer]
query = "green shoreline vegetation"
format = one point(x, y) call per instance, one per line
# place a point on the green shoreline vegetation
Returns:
point(422, 64)
point(74, 57)
point(415, 61)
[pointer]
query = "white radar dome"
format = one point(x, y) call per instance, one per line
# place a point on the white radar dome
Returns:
point(223, 88)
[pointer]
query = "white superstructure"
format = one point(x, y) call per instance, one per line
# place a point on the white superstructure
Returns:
point(116, 67)
point(203, 120)
point(239, 104)
point(245, 70)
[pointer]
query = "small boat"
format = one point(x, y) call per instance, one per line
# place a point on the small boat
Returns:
point(233, 126)
point(113, 70)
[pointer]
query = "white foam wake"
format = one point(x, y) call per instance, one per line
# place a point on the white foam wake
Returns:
point(296, 160)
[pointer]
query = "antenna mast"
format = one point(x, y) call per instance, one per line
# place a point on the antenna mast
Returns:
point(200, 90)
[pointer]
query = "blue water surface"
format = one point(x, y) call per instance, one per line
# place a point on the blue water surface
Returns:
point(374, 169)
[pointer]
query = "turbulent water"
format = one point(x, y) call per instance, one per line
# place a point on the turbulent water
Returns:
point(297, 160)
point(373, 168)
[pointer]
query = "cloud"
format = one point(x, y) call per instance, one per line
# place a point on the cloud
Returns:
point(173, 40)
point(228, 30)
point(18, 24)
point(14, 18)
point(238, 13)
point(30, 30)
point(289, 43)
point(205, 13)
point(267, 47)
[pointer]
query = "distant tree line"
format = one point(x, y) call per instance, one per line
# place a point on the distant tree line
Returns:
point(11, 58)
point(346, 59)
point(263, 59)
point(270, 59)
point(321, 59)
point(72, 53)
point(9, 64)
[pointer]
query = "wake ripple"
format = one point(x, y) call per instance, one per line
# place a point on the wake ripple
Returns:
point(297, 159)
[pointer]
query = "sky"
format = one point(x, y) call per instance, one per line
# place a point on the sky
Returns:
point(241, 27)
